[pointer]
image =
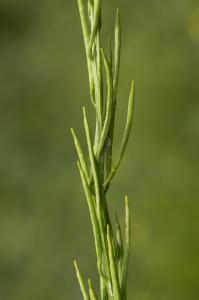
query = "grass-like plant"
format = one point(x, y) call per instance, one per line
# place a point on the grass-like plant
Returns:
point(112, 250)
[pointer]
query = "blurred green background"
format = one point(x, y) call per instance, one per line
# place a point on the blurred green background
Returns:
point(44, 221)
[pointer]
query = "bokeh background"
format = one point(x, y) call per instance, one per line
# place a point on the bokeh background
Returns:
point(44, 221)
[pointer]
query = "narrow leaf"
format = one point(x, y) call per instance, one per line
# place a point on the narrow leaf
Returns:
point(129, 120)
point(109, 103)
point(99, 100)
point(81, 283)
point(126, 246)
point(96, 24)
point(84, 21)
point(92, 159)
point(80, 154)
point(113, 269)
point(110, 52)
point(96, 178)
point(117, 50)
point(97, 61)
point(119, 237)
point(85, 29)
point(92, 292)
point(119, 244)
point(92, 214)
point(125, 137)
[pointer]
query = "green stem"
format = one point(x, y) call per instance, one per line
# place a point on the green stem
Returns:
point(112, 250)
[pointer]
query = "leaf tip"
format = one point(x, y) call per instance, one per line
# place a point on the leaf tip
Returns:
point(126, 199)
point(117, 15)
point(84, 111)
point(75, 263)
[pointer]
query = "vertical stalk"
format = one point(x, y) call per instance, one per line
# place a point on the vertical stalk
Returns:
point(96, 175)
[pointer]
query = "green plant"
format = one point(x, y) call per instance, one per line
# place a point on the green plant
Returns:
point(97, 173)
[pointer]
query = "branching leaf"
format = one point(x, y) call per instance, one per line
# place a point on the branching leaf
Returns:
point(96, 174)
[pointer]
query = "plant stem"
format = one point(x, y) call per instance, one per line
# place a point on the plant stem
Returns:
point(96, 174)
